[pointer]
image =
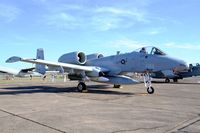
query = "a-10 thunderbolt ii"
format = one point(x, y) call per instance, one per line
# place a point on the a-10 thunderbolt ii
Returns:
point(111, 69)
point(26, 72)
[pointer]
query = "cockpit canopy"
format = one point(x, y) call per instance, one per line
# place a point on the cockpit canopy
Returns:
point(150, 50)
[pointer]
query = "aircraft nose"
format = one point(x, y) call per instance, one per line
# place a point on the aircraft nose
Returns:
point(182, 66)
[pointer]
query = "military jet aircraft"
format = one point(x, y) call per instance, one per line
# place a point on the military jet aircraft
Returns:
point(111, 69)
point(18, 73)
point(36, 71)
point(167, 75)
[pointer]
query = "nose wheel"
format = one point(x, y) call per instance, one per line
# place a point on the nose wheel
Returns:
point(150, 90)
point(147, 82)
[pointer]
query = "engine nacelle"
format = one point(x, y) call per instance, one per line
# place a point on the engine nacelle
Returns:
point(73, 58)
point(94, 56)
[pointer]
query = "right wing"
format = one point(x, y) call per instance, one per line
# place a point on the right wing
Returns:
point(51, 63)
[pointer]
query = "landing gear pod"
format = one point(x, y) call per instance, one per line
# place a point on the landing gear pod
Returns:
point(147, 82)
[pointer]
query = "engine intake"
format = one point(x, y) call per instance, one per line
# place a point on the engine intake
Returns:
point(74, 58)
point(94, 56)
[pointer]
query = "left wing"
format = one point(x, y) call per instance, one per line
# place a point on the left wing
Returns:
point(51, 63)
point(92, 71)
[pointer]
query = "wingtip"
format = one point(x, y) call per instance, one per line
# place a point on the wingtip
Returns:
point(13, 59)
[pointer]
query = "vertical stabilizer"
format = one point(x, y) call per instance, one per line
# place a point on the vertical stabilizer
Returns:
point(39, 67)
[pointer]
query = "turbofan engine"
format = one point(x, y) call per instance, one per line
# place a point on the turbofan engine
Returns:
point(78, 58)
point(94, 56)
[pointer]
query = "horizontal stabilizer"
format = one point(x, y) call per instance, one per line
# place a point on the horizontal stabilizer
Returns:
point(13, 59)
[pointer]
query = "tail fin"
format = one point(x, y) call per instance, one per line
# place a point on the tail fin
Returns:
point(39, 67)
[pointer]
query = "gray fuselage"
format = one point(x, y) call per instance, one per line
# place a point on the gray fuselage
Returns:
point(136, 62)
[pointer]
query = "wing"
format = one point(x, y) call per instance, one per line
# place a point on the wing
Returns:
point(10, 71)
point(92, 71)
point(3, 72)
point(51, 63)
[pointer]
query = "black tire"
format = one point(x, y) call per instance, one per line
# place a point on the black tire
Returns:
point(167, 80)
point(116, 86)
point(82, 87)
point(175, 80)
point(150, 90)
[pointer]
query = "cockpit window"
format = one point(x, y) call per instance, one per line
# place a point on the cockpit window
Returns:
point(150, 50)
point(157, 51)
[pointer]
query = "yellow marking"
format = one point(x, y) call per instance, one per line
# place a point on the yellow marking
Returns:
point(143, 94)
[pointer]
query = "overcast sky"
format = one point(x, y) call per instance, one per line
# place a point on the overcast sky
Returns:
point(103, 26)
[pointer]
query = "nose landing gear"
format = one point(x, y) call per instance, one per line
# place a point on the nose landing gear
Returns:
point(147, 82)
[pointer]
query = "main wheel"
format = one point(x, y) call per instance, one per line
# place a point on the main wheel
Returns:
point(175, 80)
point(150, 90)
point(167, 80)
point(116, 86)
point(82, 87)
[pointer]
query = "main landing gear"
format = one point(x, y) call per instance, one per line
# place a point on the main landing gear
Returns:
point(117, 86)
point(82, 87)
point(167, 80)
point(175, 80)
point(147, 82)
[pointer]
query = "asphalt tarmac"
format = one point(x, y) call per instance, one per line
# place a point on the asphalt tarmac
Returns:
point(45, 107)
